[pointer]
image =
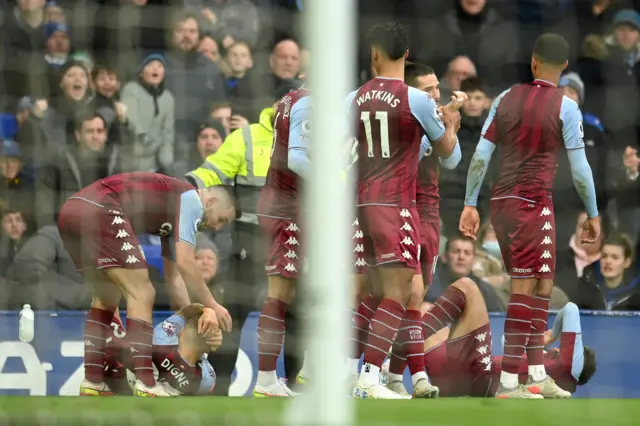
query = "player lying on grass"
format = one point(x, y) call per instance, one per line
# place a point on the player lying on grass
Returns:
point(179, 355)
point(459, 361)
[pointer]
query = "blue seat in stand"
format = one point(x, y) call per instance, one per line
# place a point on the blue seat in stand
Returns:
point(8, 126)
point(152, 254)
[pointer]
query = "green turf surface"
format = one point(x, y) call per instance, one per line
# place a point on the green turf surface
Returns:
point(194, 411)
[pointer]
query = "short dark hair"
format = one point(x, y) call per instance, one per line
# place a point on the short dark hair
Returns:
point(620, 240)
point(390, 37)
point(413, 70)
point(458, 237)
point(589, 367)
point(86, 115)
point(104, 67)
point(472, 84)
point(552, 49)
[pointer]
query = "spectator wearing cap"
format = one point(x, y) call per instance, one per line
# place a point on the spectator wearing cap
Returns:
point(193, 79)
point(567, 202)
point(57, 42)
point(242, 161)
point(209, 138)
point(150, 110)
point(16, 188)
point(79, 163)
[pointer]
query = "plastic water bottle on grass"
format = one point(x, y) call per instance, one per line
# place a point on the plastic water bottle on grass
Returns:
point(27, 324)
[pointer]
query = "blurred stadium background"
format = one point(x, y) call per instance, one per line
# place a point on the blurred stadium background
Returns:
point(225, 63)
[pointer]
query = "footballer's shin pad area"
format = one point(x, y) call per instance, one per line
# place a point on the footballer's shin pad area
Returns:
point(123, 411)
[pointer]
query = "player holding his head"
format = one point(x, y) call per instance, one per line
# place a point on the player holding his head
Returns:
point(409, 346)
point(98, 226)
point(459, 360)
point(279, 216)
point(391, 119)
point(532, 123)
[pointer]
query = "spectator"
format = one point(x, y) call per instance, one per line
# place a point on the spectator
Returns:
point(453, 182)
point(45, 275)
point(209, 48)
point(221, 111)
point(457, 262)
point(567, 203)
point(24, 110)
point(257, 89)
point(625, 190)
point(232, 20)
point(240, 61)
point(25, 70)
point(488, 265)
point(150, 110)
point(84, 58)
point(57, 42)
point(475, 30)
point(611, 283)
point(459, 69)
point(14, 227)
point(49, 127)
point(107, 92)
point(208, 140)
point(54, 13)
point(17, 183)
point(76, 165)
point(207, 261)
point(194, 81)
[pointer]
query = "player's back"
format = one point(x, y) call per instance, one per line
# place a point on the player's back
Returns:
point(149, 200)
point(528, 131)
point(389, 139)
point(280, 194)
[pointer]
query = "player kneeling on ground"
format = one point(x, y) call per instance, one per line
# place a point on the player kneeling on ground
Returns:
point(179, 356)
point(459, 361)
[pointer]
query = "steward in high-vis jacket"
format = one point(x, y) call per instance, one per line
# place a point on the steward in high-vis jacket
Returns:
point(242, 161)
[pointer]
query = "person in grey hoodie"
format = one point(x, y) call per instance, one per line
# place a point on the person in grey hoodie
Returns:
point(150, 109)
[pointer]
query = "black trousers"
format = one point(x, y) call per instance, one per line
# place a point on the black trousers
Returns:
point(244, 283)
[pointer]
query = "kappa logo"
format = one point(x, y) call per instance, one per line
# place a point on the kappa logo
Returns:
point(88, 343)
point(407, 240)
point(355, 223)
point(545, 268)
point(132, 259)
point(482, 350)
point(487, 362)
point(405, 213)
point(357, 234)
point(547, 226)
point(406, 227)
point(293, 228)
point(360, 262)
point(117, 221)
point(481, 337)
point(406, 255)
point(291, 254)
point(359, 248)
point(546, 255)
point(126, 246)
point(122, 233)
point(293, 241)
point(545, 212)
point(290, 268)
point(546, 240)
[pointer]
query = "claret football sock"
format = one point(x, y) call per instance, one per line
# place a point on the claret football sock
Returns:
point(96, 332)
point(445, 310)
point(408, 349)
point(517, 328)
point(140, 336)
point(360, 325)
point(535, 345)
point(271, 330)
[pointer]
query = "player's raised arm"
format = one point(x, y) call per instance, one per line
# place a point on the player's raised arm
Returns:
point(298, 159)
point(572, 133)
point(442, 134)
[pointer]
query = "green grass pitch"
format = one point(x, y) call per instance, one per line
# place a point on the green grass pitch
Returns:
point(216, 411)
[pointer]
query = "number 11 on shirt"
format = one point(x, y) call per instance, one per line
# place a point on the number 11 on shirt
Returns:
point(382, 118)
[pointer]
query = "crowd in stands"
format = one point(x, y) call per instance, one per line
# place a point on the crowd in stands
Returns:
point(91, 88)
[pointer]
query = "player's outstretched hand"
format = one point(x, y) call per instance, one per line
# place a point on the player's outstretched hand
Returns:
point(224, 319)
point(590, 230)
point(214, 339)
point(208, 322)
point(469, 222)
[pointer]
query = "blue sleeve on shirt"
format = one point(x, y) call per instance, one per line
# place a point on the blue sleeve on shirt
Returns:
point(572, 130)
point(425, 146)
point(208, 376)
point(299, 144)
point(478, 170)
point(454, 159)
point(166, 333)
point(568, 321)
point(191, 210)
point(425, 110)
point(492, 113)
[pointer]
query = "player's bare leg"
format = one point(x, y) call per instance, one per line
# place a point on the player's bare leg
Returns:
point(408, 348)
point(104, 303)
point(396, 288)
point(271, 334)
point(517, 329)
point(539, 381)
point(137, 288)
